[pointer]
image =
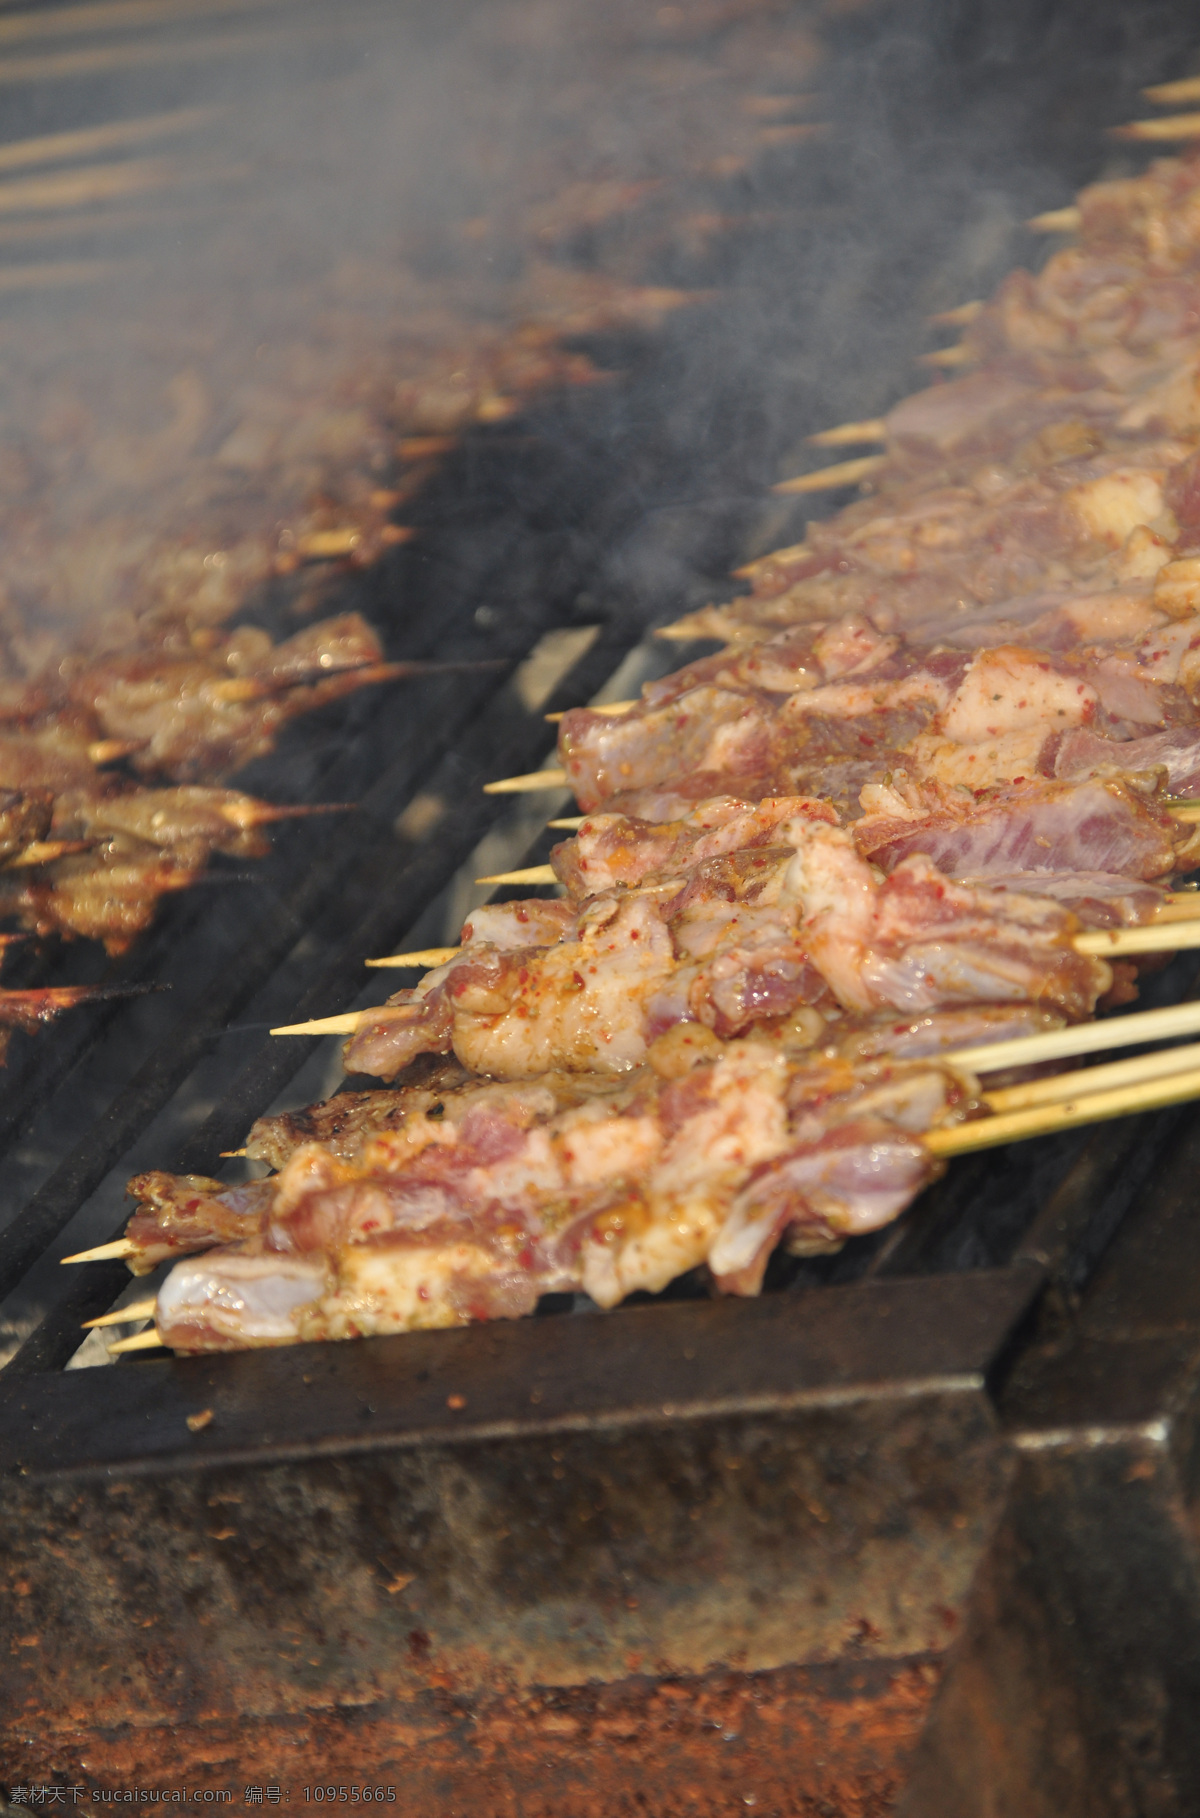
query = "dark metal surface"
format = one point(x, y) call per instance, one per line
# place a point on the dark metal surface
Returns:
point(685, 1491)
point(1075, 1690)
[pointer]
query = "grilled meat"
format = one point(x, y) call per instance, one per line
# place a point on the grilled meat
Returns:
point(512, 1191)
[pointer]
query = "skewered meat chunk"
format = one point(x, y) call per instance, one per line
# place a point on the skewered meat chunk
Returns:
point(179, 1213)
point(208, 712)
point(1102, 825)
point(729, 939)
point(996, 713)
point(508, 1194)
point(118, 849)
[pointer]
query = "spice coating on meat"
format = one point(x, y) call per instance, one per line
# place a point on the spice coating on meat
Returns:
point(737, 937)
point(508, 1194)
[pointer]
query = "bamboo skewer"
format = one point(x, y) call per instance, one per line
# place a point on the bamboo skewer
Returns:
point(962, 316)
point(827, 479)
point(120, 1248)
point(93, 183)
point(344, 1024)
point(1058, 221)
point(1171, 126)
point(117, 15)
point(1044, 1120)
point(1081, 1038)
point(528, 784)
point(1063, 1086)
point(42, 852)
point(532, 874)
point(1147, 939)
point(609, 708)
point(948, 356)
point(570, 823)
point(1183, 908)
point(59, 148)
point(428, 956)
point(141, 1341)
point(845, 435)
point(123, 1316)
point(1167, 94)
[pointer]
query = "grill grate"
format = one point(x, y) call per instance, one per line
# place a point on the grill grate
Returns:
point(475, 1530)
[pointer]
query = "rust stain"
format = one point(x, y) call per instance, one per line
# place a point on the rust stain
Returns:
point(796, 1742)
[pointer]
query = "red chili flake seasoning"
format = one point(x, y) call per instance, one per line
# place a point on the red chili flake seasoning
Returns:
point(634, 934)
point(578, 980)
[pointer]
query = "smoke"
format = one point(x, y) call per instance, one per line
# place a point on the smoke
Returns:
point(302, 232)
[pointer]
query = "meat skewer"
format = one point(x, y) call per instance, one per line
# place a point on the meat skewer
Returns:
point(988, 669)
point(998, 1053)
point(409, 1230)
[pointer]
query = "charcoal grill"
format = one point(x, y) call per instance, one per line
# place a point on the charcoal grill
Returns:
point(914, 1532)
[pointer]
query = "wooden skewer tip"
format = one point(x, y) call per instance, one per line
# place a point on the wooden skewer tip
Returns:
point(609, 708)
point(345, 1024)
point(828, 479)
point(962, 316)
point(1168, 93)
point(845, 435)
point(140, 1341)
point(533, 874)
point(428, 957)
point(528, 784)
point(948, 357)
point(1057, 221)
point(1171, 126)
point(123, 1316)
point(118, 1250)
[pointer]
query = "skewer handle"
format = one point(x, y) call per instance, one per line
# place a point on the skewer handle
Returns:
point(1043, 1120)
point(1155, 938)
